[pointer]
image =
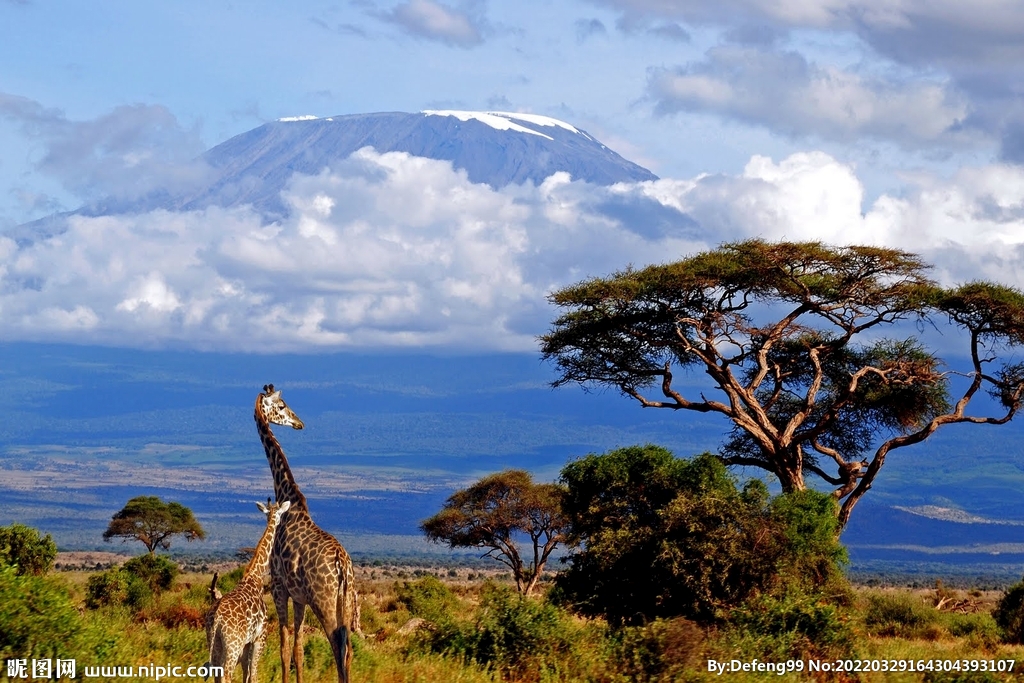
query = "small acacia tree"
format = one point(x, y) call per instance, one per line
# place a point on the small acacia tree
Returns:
point(496, 510)
point(791, 336)
point(153, 522)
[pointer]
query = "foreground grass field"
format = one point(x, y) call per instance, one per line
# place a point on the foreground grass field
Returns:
point(464, 625)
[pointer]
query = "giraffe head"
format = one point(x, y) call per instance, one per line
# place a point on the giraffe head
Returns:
point(275, 409)
point(274, 510)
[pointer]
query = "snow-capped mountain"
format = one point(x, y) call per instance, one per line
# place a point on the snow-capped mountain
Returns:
point(496, 148)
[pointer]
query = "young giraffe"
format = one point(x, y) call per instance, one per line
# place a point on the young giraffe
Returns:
point(236, 626)
point(308, 565)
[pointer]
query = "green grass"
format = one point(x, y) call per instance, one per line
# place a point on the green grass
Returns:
point(477, 627)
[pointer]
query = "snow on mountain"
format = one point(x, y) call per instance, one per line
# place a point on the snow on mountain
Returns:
point(500, 120)
point(495, 148)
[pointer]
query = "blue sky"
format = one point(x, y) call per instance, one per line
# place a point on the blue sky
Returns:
point(897, 122)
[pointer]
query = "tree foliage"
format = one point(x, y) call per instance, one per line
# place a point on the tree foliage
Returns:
point(152, 522)
point(498, 511)
point(654, 536)
point(23, 547)
point(790, 335)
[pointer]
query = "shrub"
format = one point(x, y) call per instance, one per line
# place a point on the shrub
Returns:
point(1009, 613)
point(37, 616)
point(511, 633)
point(22, 546)
point(660, 651)
point(981, 631)
point(655, 536)
point(155, 571)
point(117, 587)
point(794, 626)
point(898, 615)
point(428, 598)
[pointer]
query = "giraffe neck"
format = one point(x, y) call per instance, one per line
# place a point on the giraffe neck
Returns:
point(260, 562)
point(285, 487)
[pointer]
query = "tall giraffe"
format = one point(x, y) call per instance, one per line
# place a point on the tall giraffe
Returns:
point(308, 566)
point(236, 626)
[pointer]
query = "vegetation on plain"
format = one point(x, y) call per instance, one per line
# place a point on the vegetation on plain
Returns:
point(669, 563)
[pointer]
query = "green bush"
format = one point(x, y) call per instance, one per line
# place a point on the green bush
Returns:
point(37, 616)
point(133, 584)
point(981, 630)
point(654, 536)
point(156, 571)
point(793, 626)
point(22, 547)
point(1009, 613)
point(428, 598)
point(117, 587)
point(511, 633)
point(660, 651)
point(898, 615)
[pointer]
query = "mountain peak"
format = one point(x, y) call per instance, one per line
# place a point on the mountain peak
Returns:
point(495, 148)
point(503, 120)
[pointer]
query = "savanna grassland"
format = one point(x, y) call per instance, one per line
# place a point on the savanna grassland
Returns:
point(467, 625)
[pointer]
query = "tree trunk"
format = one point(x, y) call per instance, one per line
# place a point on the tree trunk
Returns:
point(789, 469)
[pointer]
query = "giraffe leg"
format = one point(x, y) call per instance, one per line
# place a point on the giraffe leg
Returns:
point(251, 658)
point(335, 621)
point(231, 661)
point(217, 653)
point(300, 616)
point(246, 661)
point(255, 652)
point(280, 595)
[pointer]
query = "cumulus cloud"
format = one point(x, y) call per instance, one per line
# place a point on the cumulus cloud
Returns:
point(786, 93)
point(462, 27)
point(390, 250)
point(977, 46)
point(126, 154)
point(386, 249)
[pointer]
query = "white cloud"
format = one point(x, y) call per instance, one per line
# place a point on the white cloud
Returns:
point(392, 250)
point(436, 21)
point(785, 93)
point(120, 156)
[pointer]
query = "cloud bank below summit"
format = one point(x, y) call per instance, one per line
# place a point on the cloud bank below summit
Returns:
point(392, 250)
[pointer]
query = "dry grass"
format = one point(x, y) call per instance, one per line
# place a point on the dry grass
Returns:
point(169, 630)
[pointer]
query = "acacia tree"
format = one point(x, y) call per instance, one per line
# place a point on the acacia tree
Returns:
point(153, 522)
point(493, 512)
point(790, 335)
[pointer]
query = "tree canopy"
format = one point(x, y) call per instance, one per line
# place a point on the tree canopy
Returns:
point(652, 535)
point(791, 336)
point(495, 513)
point(152, 522)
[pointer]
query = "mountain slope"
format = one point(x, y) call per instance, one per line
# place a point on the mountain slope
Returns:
point(497, 149)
